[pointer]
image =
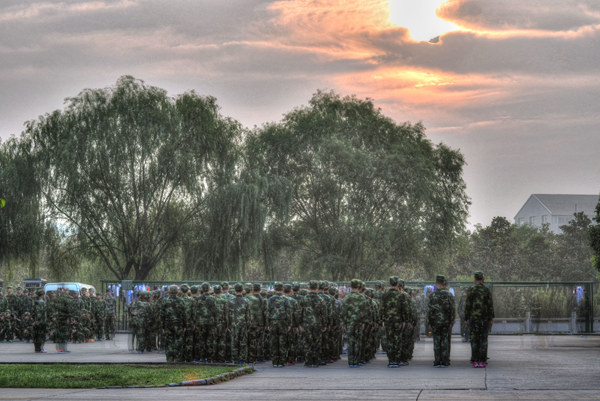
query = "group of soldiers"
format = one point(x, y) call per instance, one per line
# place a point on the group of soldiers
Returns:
point(289, 325)
point(61, 316)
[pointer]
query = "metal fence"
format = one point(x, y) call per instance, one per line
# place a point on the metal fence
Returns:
point(520, 307)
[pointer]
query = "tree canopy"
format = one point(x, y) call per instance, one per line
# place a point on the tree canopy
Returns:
point(368, 194)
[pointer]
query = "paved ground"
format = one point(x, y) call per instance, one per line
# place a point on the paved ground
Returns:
point(521, 368)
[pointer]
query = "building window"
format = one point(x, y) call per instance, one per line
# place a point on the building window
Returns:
point(520, 221)
point(562, 220)
point(554, 219)
point(532, 220)
point(545, 219)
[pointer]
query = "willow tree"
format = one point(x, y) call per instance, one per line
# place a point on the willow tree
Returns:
point(368, 194)
point(22, 223)
point(128, 169)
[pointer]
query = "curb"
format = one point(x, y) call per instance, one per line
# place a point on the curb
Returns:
point(201, 382)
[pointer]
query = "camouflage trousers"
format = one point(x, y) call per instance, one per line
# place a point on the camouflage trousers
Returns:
point(109, 327)
point(417, 331)
point(354, 344)
point(441, 350)
point(39, 337)
point(325, 343)
point(99, 328)
point(333, 343)
point(382, 339)
point(279, 341)
point(311, 337)
point(173, 339)
point(292, 345)
point(220, 343)
point(205, 344)
point(464, 329)
point(406, 343)
point(479, 340)
point(239, 343)
point(253, 336)
point(394, 342)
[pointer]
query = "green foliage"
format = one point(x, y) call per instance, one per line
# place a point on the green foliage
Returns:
point(368, 195)
point(92, 376)
point(130, 168)
point(506, 252)
point(594, 239)
point(2, 203)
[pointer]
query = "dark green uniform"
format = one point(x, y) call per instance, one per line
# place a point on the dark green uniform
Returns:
point(173, 317)
point(280, 314)
point(394, 312)
point(239, 318)
point(312, 318)
point(479, 311)
point(352, 318)
point(440, 314)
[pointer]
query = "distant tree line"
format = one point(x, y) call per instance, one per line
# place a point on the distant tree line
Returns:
point(129, 183)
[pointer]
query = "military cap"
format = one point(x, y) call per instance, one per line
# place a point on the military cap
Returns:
point(184, 287)
point(440, 278)
point(239, 287)
point(400, 282)
point(19, 288)
point(394, 280)
point(9, 287)
point(263, 293)
point(194, 289)
point(304, 291)
point(84, 311)
point(287, 288)
point(25, 291)
point(270, 293)
point(278, 286)
point(26, 314)
point(355, 283)
point(256, 287)
point(321, 285)
point(217, 289)
point(333, 291)
point(248, 287)
point(478, 275)
point(205, 287)
point(173, 289)
point(40, 291)
point(296, 286)
point(83, 289)
point(225, 285)
point(313, 284)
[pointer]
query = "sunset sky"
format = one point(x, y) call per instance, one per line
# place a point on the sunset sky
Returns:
point(515, 85)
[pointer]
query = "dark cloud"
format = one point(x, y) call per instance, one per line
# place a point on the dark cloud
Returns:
point(551, 15)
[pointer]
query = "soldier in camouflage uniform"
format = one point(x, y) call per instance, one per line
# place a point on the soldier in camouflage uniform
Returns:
point(352, 320)
point(440, 314)
point(369, 326)
point(336, 330)
point(328, 318)
point(408, 328)
point(173, 317)
point(228, 341)
point(134, 323)
point(110, 315)
point(258, 321)
point(187, 350)
point(280, 314)
point(39, 322)
point(221, 325)
point(394, 311)
point(299, 342)
point(239, 318)
point(313, 312)
point(479, 314)
point(291, 338)
point(205, 313)
point(99, 316)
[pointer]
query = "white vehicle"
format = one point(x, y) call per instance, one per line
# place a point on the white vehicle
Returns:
point(70, 286)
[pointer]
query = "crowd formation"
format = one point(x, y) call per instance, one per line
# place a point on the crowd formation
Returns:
point(247, 324)
point(60, 316)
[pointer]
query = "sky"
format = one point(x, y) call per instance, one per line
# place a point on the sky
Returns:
point(515, 85)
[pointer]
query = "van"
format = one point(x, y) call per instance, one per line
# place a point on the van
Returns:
point(71, 286)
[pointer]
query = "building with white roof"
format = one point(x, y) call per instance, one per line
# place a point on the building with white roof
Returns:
point(556, 210)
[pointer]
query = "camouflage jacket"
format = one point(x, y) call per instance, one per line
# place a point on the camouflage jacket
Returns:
point(12, 303)
point(110, 307)
point(87, 303)
point(479, 304)
point(239, 311)
point(440, 311)
point(279, 307)
point(173, 315)
point(222, 317)
point(415, 313)
point(461, 306)
point(205, 310)
point(354, 309)
point(62, 309)
point(328, 312)
point(99, 309)
point(258, 310)
point(39, 312)
point(312, 310)
point(393, 307)
point(296, 317)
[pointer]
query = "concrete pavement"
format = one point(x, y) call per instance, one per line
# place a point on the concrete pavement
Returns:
point(521, 367)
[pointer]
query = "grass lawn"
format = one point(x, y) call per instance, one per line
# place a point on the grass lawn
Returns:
point(88, 376)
